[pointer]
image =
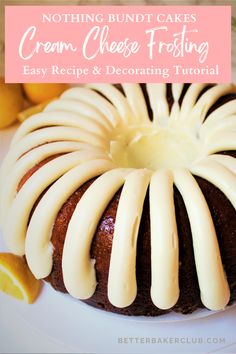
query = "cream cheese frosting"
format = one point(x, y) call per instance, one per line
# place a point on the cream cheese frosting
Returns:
point(99, 131)
point(164, 241)
point(122, 287)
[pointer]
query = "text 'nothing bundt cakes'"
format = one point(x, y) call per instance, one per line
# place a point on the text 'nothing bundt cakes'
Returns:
point(124, 196)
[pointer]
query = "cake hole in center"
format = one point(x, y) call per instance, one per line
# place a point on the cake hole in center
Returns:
point(150, 148)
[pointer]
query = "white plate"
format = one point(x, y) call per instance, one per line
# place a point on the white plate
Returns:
point(67, 305)
point(86, 329)
point(51, 300)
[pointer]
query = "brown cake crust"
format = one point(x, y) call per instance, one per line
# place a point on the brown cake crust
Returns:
point(189, 299)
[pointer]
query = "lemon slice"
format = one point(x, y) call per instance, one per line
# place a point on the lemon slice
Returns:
point(26, 113)
point(16, 279)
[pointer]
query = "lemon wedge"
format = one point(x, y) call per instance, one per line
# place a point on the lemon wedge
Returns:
point(16, 279)
point(28, 112)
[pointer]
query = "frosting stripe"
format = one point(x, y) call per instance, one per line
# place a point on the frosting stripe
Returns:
point(122, 286)
point(158, 102)
point(44, 136)
point(204, 103)
point(227, 161)
point(220, 141)
point(137, 103)
point(116, 98)
point(217, 126)
point(225, 110)
point(214, 289)
point(29, 160)
point(77, 106)
point(95, 100)
point(38, 247)
point(164, 241)
point(190, 99)
point(218, 175)
point(78, 269)
point(62, 118)
point(176, 92)
point(27, 196)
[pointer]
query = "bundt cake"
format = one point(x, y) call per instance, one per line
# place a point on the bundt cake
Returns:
point(124, 196)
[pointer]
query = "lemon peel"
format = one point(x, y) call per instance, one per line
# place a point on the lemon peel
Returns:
point(16, 278)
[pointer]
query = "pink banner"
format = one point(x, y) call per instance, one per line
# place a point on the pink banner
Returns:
point(118, 44)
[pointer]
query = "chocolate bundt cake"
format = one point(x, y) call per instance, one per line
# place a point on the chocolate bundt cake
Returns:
point(124, 196)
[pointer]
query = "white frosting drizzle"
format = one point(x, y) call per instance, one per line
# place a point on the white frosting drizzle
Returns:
point(225, 110)
point(208, 99)
point(137, 102)
point(220, 141)
point(214, 289)
point(29, 194)
point(95, 100)
point(176, 92)
point(71, 105)
point(219, 125)
point(38, 248)
point(117, 99)
point(29, 160)
point(83, 125)
point(227, 161)
point(78, 269)
point(218, 175)
point(122, 287)
point(158, 102)
point(61, 118)
point(44, 136)
point(164, 241)
point(190, 99)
